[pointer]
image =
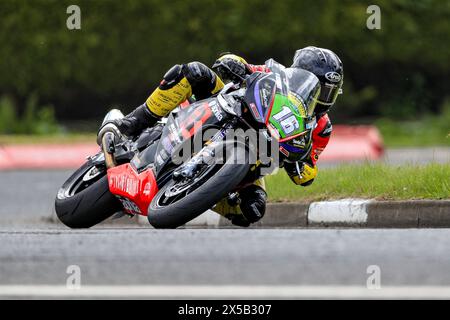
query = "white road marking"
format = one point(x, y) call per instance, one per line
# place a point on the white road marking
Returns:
point(345, 211)
point(226, 291)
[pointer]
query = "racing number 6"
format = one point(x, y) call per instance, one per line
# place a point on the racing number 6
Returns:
point(287, 120)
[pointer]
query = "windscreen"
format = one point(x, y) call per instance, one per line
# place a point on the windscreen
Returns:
point(304, 89)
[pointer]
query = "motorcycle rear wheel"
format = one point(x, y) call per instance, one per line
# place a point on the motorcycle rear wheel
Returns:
point(84, 201)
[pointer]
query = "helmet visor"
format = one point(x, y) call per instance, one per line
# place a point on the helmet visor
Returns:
point(328, 94)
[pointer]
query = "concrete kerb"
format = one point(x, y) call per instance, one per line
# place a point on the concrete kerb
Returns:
point(347, 213)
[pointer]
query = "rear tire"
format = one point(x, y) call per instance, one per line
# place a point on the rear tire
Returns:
point(88, 207)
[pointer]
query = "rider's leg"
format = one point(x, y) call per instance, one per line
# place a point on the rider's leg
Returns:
point(178, 84)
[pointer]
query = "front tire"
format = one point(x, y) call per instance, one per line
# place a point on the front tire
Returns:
point(176, 214)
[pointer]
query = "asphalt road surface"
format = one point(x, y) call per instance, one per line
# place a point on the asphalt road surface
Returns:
point(223, 263)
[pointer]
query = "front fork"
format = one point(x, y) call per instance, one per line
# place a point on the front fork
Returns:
point(205, 155)
point(108, 147)
point(194, 165)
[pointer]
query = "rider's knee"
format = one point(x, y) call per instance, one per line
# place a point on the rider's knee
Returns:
point(173, 90)
point(196, 73)
point(172, 77)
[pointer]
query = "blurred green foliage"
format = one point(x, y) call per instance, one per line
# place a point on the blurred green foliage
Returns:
point(124, 48)
point(35, 120)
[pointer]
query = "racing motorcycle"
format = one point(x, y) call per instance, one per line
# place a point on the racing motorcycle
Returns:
point(144, 175)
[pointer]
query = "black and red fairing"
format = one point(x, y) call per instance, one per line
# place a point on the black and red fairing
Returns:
point(136, 183)
point(184, 124)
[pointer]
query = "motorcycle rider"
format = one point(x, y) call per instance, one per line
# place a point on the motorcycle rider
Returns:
point(323, 63)
point(183, 81)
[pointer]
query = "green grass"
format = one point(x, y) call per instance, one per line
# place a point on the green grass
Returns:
point(369, 181)
point(48, 139)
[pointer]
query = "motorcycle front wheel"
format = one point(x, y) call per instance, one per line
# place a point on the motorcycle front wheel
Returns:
point(178, 202)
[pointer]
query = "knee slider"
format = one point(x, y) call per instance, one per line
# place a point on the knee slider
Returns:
point(172, 77)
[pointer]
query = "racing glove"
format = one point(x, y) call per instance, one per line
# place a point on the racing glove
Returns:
point(231, 68)
point(301, 173)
